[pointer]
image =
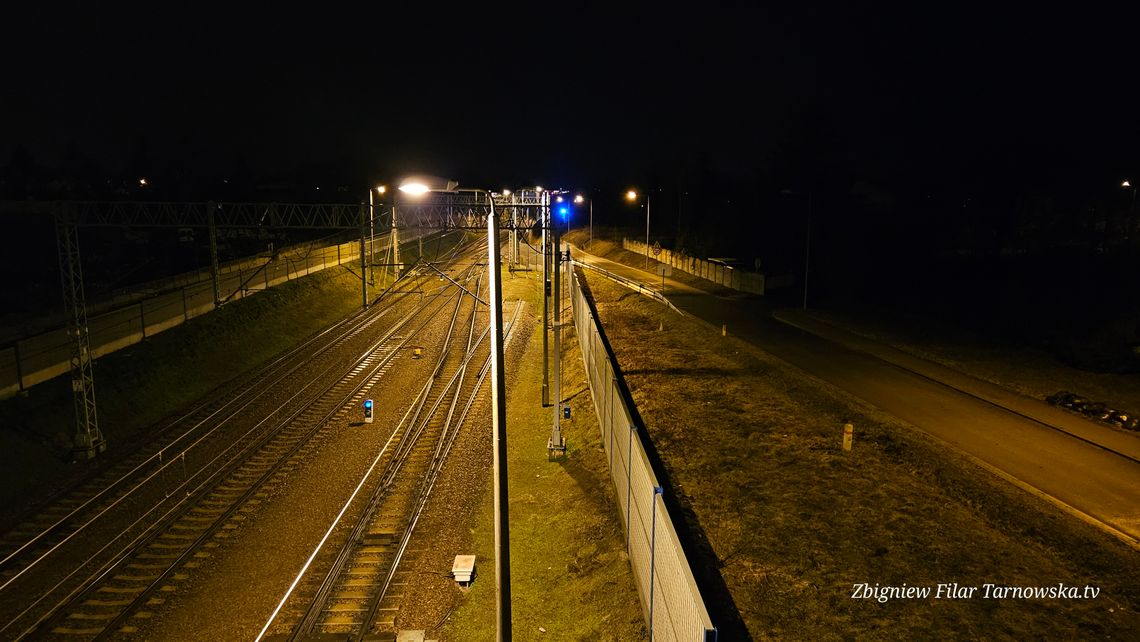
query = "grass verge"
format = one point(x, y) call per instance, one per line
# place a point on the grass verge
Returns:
point(752, 447)
point(570, 576)
point(138, 386)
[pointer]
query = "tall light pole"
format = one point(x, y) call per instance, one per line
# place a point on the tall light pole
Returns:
point(498, 414)
point(545, 213)
point(807, 242)
point(631, 195)
point(1132, 206)
point(807, 252)
point(579, 199)
point(381, 190)
point(557, 443)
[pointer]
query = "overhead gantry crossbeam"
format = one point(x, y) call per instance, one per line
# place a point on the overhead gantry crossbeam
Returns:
point(435, 211)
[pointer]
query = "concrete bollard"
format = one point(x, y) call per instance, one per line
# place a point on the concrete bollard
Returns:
point(724, 329)
point(848, 436)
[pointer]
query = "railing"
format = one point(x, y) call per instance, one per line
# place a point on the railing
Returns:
point(671, 602)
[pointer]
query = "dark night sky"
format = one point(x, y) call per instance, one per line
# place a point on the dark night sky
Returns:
point(943, 95)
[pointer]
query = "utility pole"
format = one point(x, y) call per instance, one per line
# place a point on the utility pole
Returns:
point(591, 221)
point(647, 229)
point(499, 419)
point(363, 257)
point(807, 253)
point(556, 443)
point(396, 242)
point(88, 438)
point(210, 207)
point(545, 213)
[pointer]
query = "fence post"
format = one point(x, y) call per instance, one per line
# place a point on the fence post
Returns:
point(610, 421)
point(657, 490)
point(629, 490)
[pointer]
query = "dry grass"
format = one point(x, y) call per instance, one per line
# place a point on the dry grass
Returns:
point(752, 447)
point(569, 572)
point(137, 386)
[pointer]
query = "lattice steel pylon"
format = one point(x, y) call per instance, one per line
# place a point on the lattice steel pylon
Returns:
point(88, 438)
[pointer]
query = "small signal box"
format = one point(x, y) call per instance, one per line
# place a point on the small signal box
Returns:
point(367, 411)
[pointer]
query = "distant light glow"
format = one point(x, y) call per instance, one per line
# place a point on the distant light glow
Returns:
point(579, 199)
point(538, 189)
point(415, 189)
point(558, 199)
point(506, 192)
point(1126, 184)
point(382, 189)
point(143, 182)
point(631, 195)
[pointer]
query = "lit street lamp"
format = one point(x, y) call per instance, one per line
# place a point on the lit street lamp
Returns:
point(418, 187)
point(578, 199)
point(631, 195)
point(1131, 206)
point(381, 190)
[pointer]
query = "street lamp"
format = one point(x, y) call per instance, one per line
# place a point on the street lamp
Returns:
point(1131, 206)
point(579, 199)
point(381, 190)
point(807, 243)
point(631, 196)
point(419, 187)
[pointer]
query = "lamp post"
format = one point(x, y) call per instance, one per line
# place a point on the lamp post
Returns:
point(807, 252)
point(578, 199)
point(1131, 206)
point(807, 242)
point(631, 195)
point(498, 413)
point(381, 190)
point(557, 444)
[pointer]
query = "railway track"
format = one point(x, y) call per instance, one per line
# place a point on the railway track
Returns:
point(184, 493)
point(352, 590)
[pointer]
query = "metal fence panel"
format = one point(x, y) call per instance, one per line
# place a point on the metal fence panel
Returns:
point(672, 604)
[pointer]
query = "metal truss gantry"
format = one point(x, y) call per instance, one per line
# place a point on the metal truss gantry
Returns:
point(88, 438)
point(442, 211)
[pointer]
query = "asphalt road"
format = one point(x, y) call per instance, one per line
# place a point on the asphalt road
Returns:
point(1087, 479)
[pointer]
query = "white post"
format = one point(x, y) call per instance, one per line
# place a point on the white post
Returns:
point(499, 422)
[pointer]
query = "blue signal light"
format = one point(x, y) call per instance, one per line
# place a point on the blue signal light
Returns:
point(563, 212)
point(367, 403)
